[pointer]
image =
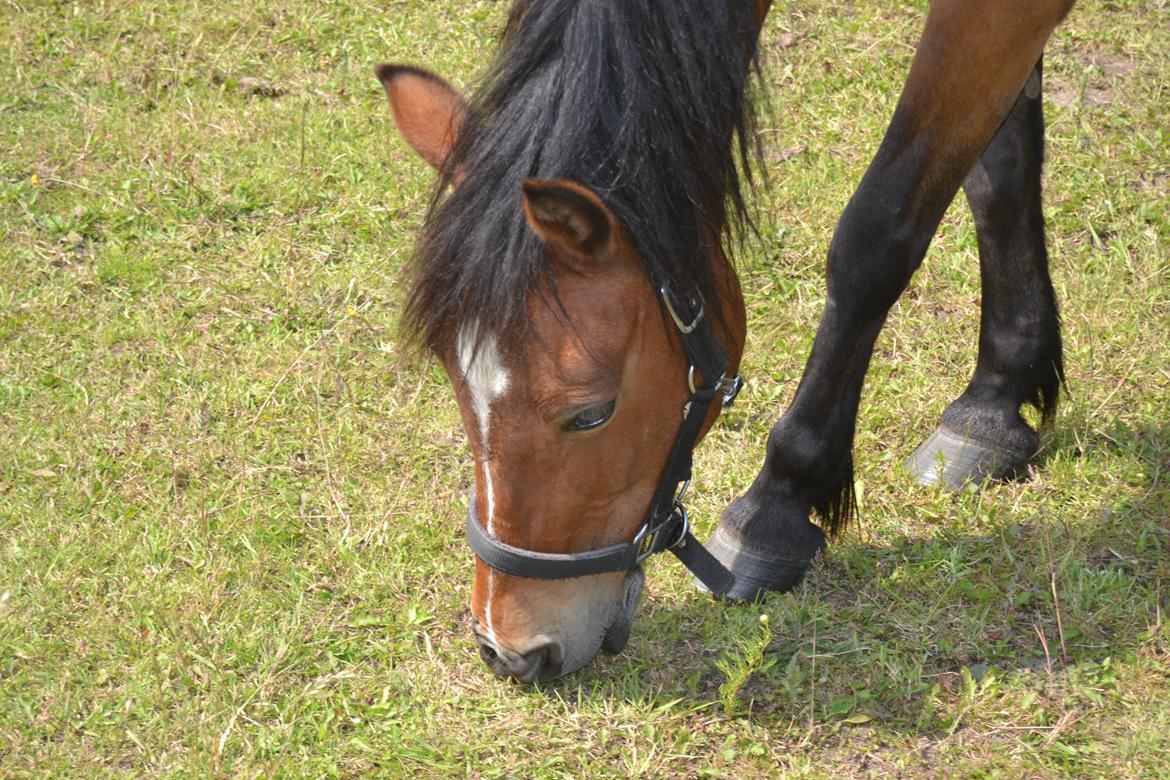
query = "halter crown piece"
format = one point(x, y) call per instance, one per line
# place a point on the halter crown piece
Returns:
point(667, 526)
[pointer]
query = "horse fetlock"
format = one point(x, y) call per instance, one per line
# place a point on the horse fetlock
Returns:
point(995, 422)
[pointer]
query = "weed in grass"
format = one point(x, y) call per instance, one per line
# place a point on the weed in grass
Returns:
point(738, 668)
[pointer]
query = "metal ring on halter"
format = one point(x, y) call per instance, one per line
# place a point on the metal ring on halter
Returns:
point(681, 541)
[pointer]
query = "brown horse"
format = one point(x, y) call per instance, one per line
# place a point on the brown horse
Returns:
point(573, 279)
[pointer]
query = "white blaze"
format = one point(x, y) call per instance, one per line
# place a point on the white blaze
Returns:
point(487, 380)
point(484, 372)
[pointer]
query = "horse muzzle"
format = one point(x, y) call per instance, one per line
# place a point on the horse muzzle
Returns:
point(602, 624)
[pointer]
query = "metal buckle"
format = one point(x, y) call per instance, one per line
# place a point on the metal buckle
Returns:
point(647, 537)
point(730, 387)
point(683, 328)
point(645, 541)
point(685, 529)
point(681, 509)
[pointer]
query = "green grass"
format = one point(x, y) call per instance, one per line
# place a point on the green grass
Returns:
point(230, 503)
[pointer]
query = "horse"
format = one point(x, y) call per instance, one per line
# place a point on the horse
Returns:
point(575, 278)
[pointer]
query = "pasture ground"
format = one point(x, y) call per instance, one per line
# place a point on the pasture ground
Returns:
point(231, 504)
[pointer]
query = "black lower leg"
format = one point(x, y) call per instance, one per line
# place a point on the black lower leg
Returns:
point(945, 119)
point(765, 536)
point(982, 434)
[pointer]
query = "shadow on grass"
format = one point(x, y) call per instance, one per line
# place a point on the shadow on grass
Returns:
point(886, 628)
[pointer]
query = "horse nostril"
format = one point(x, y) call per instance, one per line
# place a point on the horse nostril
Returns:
point(543, 663)
point(487, 653)
point(551, 659)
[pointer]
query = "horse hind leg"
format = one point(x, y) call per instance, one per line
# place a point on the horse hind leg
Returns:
point(982, 435)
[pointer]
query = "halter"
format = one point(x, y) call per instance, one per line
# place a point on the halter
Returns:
point(667, 526)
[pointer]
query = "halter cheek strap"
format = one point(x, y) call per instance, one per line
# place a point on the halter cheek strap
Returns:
point(667, 526)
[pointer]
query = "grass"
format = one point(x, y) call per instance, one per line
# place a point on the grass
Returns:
point(230, 504)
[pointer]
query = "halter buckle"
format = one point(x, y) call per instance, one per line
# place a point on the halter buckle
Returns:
point(730, 387)
point(685, 328)
point(647, 539)
point(685, 529)
point(646, 542)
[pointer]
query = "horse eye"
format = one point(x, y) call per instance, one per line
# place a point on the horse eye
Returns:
point(593, 417)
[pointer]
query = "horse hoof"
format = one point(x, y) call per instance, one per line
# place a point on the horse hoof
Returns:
point(953, 460)
point(757, 570)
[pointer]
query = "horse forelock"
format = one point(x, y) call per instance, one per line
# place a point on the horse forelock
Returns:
point(643, 101)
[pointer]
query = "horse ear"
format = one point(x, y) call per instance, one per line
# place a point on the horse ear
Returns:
point(568, 215)
point(427, 110)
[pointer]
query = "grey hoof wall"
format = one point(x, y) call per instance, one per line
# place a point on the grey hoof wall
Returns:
point(757, 571)
point(953, 460)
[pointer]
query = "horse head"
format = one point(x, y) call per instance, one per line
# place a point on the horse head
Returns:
point(571, 417)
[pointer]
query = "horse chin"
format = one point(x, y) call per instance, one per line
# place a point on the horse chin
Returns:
point(618, 633)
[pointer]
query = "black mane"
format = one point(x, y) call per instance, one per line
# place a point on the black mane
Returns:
point(643, 101)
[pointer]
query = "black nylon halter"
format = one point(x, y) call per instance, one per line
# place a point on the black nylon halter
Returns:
point(667, 526)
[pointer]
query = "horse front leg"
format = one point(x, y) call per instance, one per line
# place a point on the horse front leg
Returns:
point(971, 64)
point(982, 435)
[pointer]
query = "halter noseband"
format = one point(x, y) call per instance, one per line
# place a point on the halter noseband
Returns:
point(667, 526)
